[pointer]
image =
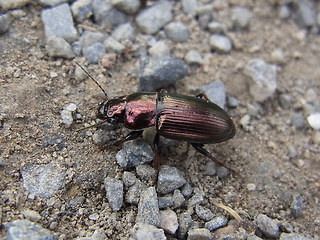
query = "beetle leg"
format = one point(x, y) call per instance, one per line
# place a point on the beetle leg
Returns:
point(156, 159)
point(204, 96)
point(200, 149)
point(131, 136)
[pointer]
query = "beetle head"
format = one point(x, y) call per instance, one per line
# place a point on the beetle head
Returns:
point(112, 110)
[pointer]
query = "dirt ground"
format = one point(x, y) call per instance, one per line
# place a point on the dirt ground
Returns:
point(34, 89)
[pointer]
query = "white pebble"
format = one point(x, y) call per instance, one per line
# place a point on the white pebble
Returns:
point(314, 121)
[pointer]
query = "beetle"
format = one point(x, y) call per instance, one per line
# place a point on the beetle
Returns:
point(196, 120)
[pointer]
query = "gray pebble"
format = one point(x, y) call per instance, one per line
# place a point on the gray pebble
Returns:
point(216, 92)
point(187, 190)
point(305, 13)
point(114, 192)
point(128, 178)
point(292, 151)
point(159, 49)
point(133, 194)
point(43, 180)
point(199, 234)
point(294, 236)
point(262, 79)
point(177, 32)
point(220, 43)
point(222, 172)
point(197, 198)
point(100, 10)
point(169, 179)
point(102, 138)
point(189, 6)
point(215, 223)
point(13, 4)
point(77, 201)
point(124, 32)
point(24, 229)
point(185, 222)
point(145, 172)
point(66, 114)
point(165, 202)
point(82, 9)
point(297, 206)
point(90, 37)
point(284, 11)
point(113, 45)
point(285, 101)
point(210, 168)
point(55, 140)
point(152, 19)
point(58, 47)
point(127, 6)
point(58, 22)
point(76, 49)
point(241, 17)
point(94, 52)
point(267, 226)
point(216, 27)
point(51, 3)
point(194, 57)
point(253, 237)
point(178, 199)
point(169, 221)
point(143, 231)
point(297, 120)
point(204, 213)
point(31, 215)
point(4, 23)
point(97, 235)
point(158, 73)
point(148, 208)
point(232, 102)
point(134, 153)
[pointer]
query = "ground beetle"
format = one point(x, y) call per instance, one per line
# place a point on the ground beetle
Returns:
point(196, 120)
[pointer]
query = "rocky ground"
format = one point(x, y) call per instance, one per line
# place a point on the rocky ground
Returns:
point(262, 56)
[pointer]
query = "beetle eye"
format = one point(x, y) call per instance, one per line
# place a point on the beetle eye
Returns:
point(113, 120)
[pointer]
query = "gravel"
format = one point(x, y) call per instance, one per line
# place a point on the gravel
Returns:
point(159, 49)
point(204, 213)
point(124, 32)
point(169, 179)
point(177, 32)
point(133, 194)
point(127, 6)
point(241, 17)
point(194, 58)
point(314, 121)
point(268, 226)
point(4, 23)
point(148, 208)
point(215, 223)
point(58, 47)
point(94, 52)
point(142, 231)
point(114, 193)
point(220, 43)
point(216, 92)
point(169, 221)
point(199, 234)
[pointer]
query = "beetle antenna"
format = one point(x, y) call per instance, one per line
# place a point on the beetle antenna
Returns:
point(93, 79)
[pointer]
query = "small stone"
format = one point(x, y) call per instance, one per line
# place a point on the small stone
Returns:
point(58, 23)
point(97, 235)
point(148, 208)
point(79, 74)
point(77, 201)
point(114, 193)
point(216, 92)
point(133, 193)
point(165, 202)
point(4, 23)
point(127, 6)
point(113, 45)
point(292, 152)
point(187, 190)
point(222, 172)
point(189, 6)
point(284, 12)
point(82, 9)
point(89, 38)
point(58, 47)
point(262, 79)
point(315, 138)
point(297, 120)
point(66, 114)
point(251, 186)
point(277, 56)
point(13, 4)
point(294, 236)
point(169, 221)
point(51, 3)
point(143, 231)
point(185, 222)
point(216, 27)
point(204, 213)
point(31, 215)
point(128, 178)
point(285, 101)
point(296, 206)
point(232, 102)
point(241, 17)
point(194, 57)
point(267, 226)
point(220, 43)
point(94, 53)
point(156, 73)
point(134, 153)
point(314, 121)
point(53, 74)
point(94, 216)
point(215, 223)
point(178, 199)
point(24, 229)
point(305, 13)
point(197, 198)
point(199, 234)
point(145, 172)
point(211, 168)
point(159, 49)
point(152, 19)
point(124, 32)
point(177, 32)
point(169, 179)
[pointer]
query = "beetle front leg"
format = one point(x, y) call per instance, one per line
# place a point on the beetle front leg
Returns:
point(131, 136)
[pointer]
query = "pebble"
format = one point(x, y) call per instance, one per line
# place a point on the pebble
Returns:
point(194, 58)
point(210, 168)
point(159, 49)
point(134, 153)
point(169, 179)
point(66, 114)
point(143, 231)
point(94, 216)
point(284, 11)
point(77, 201)
point(241, 18)
point(156, 73)
point(216, 27)
point(253, 237)
point(31, 215)
point(165, 202)
point(215, 223)
point(114, 193)
point(24, 229)
point(94, 53)
point(267, 226)
point(262, 79)
point(315, 138)
point(216, 92)
point(4, 23)
point(178, 199)
point(251, 187)
point(232, 102)
point(128, 178)
point(58, 22)
point(51, 3)
point(113, 45)
point(220, 43)
point(185, 222)
point(88, 38)
point(127, 6)
point(58, 47)
point(152, 19)
point(101, 138)
point(169, 221)
point(204, 213)
point(314, 121)
point(199, 234)
point(12, 4)
point(285, 101)
point(189, 7)
point(197, 198)
point(292, 151)
point(145, 172)
point(305, 13)
point(124, 32)
point(97, 235)
point(55, 140)
point(82, 9)
point(297, 120)
point(294, 236)
point(133, 193)
point(177, 32)
point(187, 190)
point(296, 206)
point(43, 180)
point(277, 56)
point(148, 208)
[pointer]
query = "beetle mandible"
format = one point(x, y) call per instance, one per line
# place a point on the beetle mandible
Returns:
point(196, 120)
